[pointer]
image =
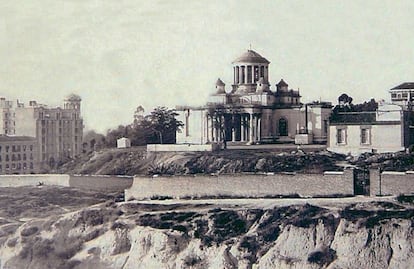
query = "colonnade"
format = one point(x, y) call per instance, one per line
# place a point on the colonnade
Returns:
point(235, 127)
point(250, 74)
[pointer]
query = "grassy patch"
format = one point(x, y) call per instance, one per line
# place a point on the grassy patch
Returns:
point(322, 257)
point(406, 199)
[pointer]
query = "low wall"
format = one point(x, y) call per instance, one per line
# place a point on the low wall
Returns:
point(100, 182)
point(242, 185)
point(34, 180)
point(392, 183)
point(181, 147)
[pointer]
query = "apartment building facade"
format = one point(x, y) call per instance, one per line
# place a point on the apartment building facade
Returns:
point(57, 131)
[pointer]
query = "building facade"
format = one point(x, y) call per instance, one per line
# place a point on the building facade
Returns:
point(18, 155)
point(7, 117)
point(58, 131)
point(385, 130)
point(403, 95)
point(123, 143)
point(250, 112)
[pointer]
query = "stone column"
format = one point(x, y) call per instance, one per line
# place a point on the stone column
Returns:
point(240, 75)
point(242, 128)
point(251, 131)
point(245, 74)
point(259, 127)
point(207, 132)
point(212, 129)
point(253, 74)
point(233, 130)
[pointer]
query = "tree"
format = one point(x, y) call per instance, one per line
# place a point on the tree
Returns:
point(345, 105)
point(93, 141)
point(345, 100)
point(138, 116)
point(161, 125)
point(372, 105)
point(114, 134)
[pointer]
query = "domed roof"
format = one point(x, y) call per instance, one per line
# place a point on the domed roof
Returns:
point(73, 97)
point(251, 56)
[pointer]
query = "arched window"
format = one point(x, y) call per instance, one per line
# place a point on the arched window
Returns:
point(283, 127)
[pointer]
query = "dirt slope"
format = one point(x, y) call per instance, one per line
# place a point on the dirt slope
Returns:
point(377, 234)
point(137, 161)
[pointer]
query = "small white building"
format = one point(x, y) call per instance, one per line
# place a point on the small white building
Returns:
point(123, 142)
point(385, 130)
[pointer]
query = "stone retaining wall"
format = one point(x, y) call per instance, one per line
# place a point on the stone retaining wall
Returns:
point(392, 183)
point(181, 147)
point(34, 180)
point(328, 184)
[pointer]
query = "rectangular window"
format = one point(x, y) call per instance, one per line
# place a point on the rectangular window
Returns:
point(341, 136)
point(365, 136)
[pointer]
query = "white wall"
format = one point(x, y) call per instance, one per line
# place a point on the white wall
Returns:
point(197, 129)
point(181, 147)
point(384, 138)
point(34, 180)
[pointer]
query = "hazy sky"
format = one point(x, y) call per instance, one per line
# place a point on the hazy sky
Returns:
point(120, 54)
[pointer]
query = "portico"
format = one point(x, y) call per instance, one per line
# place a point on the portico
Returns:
point(233, 126)
point(250, 112)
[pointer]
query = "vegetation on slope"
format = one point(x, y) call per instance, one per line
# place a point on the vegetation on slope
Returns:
point(136, 161)
point(68, 227)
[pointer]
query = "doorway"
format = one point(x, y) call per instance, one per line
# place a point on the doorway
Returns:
point(361, 181)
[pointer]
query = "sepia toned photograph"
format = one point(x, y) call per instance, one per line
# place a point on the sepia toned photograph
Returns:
point(206, 134)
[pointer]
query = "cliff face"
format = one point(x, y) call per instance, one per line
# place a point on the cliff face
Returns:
point(191, 235)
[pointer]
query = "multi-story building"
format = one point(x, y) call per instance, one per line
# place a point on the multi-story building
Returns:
point(403, 95)
point(18, 155)
point(7, 116)
point(252, 113)
point(58, 130)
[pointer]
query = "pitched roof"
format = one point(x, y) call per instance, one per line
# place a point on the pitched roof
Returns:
point(405, 85)
point(220, 82)
point(251, 56)
point(282, 83)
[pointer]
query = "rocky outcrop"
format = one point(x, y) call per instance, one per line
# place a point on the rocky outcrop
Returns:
point(139, 235)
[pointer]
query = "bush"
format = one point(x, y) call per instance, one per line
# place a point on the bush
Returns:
point(191, 260)
point(408, 199)
point(29, 231)
point(322, 257)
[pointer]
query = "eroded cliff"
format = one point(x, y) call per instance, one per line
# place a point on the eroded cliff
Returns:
point(195, 234)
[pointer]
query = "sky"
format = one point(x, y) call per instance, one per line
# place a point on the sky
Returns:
point(118, 55)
